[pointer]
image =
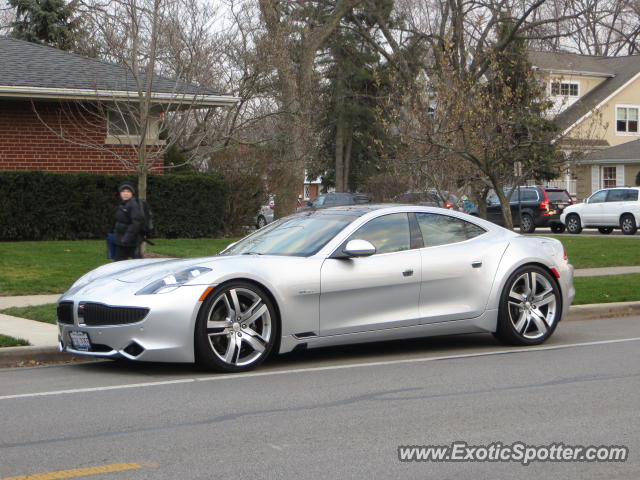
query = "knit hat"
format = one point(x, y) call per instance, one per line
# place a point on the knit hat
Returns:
point(127, 186)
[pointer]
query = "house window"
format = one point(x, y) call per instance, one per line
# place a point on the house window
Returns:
point(123, 122)
point(627, 119)
point(566, 89)
point(307, 192)
point(608, 177)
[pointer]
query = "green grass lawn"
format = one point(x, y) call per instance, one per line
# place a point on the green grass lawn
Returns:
point(6, 341)
point(605, 251)
point(41, 313)
point(607, 289)
point(51, 267)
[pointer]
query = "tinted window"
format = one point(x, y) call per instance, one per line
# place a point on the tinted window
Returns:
point(529, 195)
point(343, 198)
point(442, 229)
point(318, 202)
point(389, 233)
point(558, 196)
point(296, 236)
point(598, 197)
point(622, 195)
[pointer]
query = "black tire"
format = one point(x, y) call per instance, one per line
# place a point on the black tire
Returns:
point(628, 224)
point(574, 225)
point(526, 224)
point(528, 318)
point(261, 222)
point(605, 230)
point(227, 342)
point(557, 227)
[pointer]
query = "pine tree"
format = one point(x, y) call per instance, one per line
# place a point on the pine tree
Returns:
point(48, 22)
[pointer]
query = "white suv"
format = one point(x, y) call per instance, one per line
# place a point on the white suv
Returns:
point(605, 210)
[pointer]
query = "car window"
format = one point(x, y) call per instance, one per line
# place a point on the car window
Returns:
point(529, 195)
point(598, 197)
point(443, 229)
point(318, 202)
point(344, 198)
point(558, 196)
point(622, 195)
point(389, 233)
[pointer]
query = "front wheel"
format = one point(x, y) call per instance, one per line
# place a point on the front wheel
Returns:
point(526, 224)
point(605, 230)
point(236, 328)
point(557, 228)
point(530, 307)
point(261, 222)
point(628, 224)
point(573, 224)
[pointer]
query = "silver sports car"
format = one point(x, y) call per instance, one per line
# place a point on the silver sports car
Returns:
point(341, 275)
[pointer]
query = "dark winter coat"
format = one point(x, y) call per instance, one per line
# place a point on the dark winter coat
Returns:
point(129, 223)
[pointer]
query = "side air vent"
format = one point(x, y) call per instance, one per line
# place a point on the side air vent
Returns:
point(65, 313)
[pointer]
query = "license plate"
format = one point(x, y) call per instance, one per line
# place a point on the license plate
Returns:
point(80, 341)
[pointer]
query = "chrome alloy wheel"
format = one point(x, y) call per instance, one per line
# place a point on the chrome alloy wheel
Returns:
point(239, 327)
point(532, 304)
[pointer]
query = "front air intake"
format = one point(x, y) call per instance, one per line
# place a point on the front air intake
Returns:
point(65, 313)
point(98, 314)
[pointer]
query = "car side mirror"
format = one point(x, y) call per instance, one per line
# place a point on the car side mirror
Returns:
point(359, 248)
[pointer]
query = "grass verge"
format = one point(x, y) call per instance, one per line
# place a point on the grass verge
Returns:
point(607, 289)
point(7, 341)
point(41, 313)
point(605, 251)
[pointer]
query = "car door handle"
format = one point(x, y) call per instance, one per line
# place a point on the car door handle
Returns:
point(407, 273)
point(476, 264)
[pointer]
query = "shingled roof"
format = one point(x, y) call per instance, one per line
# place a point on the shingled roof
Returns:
point(619, 71)
point(624, 153)
point(34, 70)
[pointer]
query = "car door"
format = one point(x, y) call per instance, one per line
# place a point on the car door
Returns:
point(593, 211)
point(375, 292)
point(613, 207)
point(459, 264)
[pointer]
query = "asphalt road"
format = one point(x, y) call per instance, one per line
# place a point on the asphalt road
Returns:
point(332, 413)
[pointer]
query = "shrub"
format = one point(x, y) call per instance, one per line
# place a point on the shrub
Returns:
point(37, 205)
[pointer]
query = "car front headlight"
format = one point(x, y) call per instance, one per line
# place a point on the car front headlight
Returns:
point(173, 281)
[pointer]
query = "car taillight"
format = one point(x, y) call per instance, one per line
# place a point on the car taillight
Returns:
point(448, 205)
point(544, 205)
point(564, 255)
point(272, 207)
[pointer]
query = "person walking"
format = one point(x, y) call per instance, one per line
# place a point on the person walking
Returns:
point(129, 223)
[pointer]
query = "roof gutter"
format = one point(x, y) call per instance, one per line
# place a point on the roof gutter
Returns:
point(554, 71)
point(190, 99)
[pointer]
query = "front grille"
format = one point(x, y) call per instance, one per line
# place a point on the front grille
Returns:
point(99, 314)
point(65, 313)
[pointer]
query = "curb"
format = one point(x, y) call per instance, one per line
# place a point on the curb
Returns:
point(31, 356)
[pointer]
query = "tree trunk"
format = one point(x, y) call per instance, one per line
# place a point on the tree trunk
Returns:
point(505, 204)
point(347, 159)
point(340, 187)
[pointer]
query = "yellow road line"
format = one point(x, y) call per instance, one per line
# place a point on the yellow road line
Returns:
point(77, 472)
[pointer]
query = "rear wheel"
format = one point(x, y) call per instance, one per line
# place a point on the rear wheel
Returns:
point(530, 307)
point(628, 224)
point(261, 222)
point(236, 329)
point(605, 230)
point(557, 228)
point(573, 224)
point(526, 224)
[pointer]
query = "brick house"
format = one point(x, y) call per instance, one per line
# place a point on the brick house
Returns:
point(64, 112)
point(597, 106)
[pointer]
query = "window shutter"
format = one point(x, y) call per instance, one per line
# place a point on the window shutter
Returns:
point(620, 175)
point(595, 178)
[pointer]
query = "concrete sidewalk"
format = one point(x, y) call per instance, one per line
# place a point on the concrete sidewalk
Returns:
point(599, 272)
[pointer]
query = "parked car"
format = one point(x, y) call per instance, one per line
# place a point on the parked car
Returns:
point(331, 276)
point(429, 198)
point(266, 214)
point(531, 207)
point(606, 210)
point(334, 199)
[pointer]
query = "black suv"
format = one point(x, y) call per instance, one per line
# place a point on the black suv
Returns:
point(335, 198)
point(531, 207)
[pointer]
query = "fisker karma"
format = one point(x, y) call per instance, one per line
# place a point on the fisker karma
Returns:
point(342, 275)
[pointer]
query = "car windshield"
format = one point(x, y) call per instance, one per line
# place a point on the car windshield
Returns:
point(299, 235)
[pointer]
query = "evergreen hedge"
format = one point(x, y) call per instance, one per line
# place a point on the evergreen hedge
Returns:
point(36, 205)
